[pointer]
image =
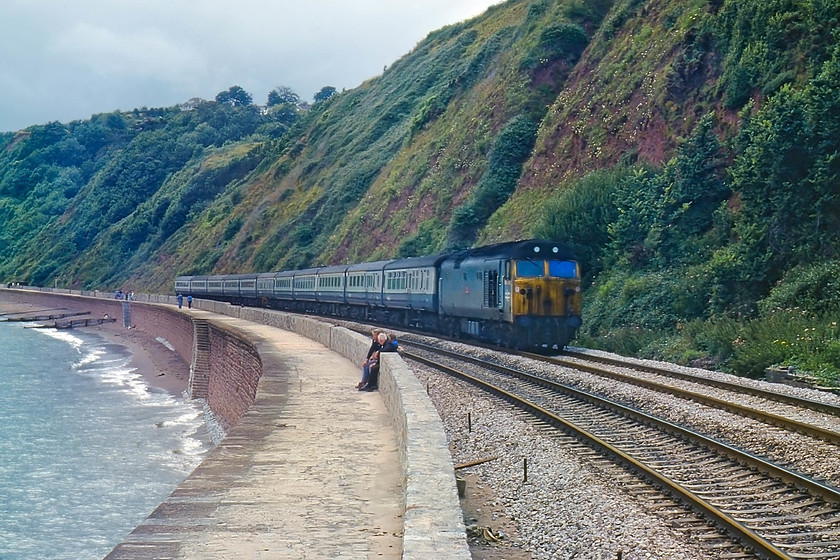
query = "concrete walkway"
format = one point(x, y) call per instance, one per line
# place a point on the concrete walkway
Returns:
point(311, 471)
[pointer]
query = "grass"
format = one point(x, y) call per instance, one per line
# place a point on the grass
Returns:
point(790, 338)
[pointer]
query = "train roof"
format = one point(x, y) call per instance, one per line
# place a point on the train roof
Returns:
point(335, 269)
point(416, 262)
point(368, 266)
point(303, 272)
point(530, 248)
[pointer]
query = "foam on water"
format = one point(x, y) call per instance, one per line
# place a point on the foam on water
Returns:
point(87, 448)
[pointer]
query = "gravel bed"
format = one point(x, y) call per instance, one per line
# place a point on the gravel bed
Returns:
point(816, 458)
point(568, 507)
point(802, 392)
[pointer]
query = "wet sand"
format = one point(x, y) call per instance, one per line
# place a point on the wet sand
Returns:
point(159, 366)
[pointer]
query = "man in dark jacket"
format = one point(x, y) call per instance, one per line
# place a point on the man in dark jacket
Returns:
point(372, 381)
point(374, 348)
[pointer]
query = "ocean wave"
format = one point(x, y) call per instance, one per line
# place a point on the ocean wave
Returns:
point(89, 448)
point(64, 336)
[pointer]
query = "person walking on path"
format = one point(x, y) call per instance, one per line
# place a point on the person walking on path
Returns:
point(180, 299)
point(189, 302)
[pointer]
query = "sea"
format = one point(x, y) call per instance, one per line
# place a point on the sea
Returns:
point(87, 449)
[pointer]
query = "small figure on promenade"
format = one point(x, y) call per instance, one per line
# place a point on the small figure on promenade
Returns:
point(189, 302)
point(180, 299)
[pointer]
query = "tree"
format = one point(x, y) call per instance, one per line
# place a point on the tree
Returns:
point(194, 103)
point(324, 93)
point(235, 96)
point(282, 94)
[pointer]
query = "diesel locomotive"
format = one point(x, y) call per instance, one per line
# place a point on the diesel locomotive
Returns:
point(522, 294)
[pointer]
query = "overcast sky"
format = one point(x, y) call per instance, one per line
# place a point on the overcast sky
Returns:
point(65, 60)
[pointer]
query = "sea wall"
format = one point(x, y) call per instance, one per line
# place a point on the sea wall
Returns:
point(157, 321)
point(233, 373)
point(433, 525)
point(233, 366)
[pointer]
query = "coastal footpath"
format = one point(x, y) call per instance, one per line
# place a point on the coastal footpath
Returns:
point(247, 384)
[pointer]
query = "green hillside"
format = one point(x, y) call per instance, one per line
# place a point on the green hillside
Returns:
point(688, 150)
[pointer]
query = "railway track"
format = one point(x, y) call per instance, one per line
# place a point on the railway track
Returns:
point(769, 508)
point(595, 364)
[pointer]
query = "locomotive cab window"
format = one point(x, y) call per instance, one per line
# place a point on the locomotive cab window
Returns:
point(529, 269)
point(562, 269)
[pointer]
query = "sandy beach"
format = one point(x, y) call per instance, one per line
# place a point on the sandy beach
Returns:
point(160, 367)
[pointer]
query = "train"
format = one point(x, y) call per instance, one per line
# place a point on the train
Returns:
point(523, 294)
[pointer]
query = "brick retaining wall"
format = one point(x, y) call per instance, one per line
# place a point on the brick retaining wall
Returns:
point(235, 370)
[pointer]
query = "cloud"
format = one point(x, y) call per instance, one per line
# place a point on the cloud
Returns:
point(68, 60)
point(138, 54)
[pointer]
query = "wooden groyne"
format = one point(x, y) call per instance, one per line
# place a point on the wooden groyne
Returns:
point(72, 324)
point(55, 319)
point(5, 314)
point(51, 314)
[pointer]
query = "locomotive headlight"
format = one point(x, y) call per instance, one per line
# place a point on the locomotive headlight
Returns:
point(555, 250)
point(536, 249)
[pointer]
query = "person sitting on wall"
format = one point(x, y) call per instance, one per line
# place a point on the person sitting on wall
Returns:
point(372, 382)
point(374, 347)
point(392, 341)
